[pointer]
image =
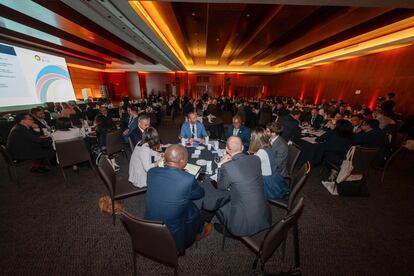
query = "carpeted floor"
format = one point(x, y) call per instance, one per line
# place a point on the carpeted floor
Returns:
point(47, 229)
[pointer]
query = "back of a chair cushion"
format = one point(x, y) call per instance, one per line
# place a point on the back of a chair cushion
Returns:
point(151, 239)
point(71, 152)
point(279, 231)
point(292, 158)
point(114, 142)
point(107, 174)
point(298, 181)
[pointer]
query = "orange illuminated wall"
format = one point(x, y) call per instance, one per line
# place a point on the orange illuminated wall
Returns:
point(374, 75)
point(82, 78)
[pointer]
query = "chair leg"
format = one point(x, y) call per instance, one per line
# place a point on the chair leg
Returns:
point(256, 260)
point(92, 168)
point(15, 177)
point(113, 211)
point(176, 271)
point(296, 244)
point(224, 237)
point(63, 173)
point(9, 173)
point(134, 257)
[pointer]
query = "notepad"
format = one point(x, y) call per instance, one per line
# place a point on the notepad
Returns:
point(192, 169)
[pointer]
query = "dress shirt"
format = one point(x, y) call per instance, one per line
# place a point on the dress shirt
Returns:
point(272, 140)
point(235, 131)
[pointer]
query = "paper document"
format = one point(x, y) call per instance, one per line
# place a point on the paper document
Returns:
point(193, 169)
point(309, 139)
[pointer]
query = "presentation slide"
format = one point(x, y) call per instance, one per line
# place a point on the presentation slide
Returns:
point(29, 77)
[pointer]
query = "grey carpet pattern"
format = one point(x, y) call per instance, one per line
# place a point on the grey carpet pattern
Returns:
point(47, 229)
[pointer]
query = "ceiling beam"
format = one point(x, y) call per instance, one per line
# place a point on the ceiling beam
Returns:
point(355, 3)
point(71, 14)
point(318, 18)
point(370, 25)
point(30, 41)
point(37, 24)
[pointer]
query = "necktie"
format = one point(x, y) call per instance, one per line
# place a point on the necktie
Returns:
point(192, 131)
point(312, 120)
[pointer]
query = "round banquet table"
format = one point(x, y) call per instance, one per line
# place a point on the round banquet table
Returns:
point(216, 127)
point(310, 152)
point(213, 198)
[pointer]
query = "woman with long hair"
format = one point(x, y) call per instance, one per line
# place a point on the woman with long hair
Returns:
point(141, 159)
point(274, 184)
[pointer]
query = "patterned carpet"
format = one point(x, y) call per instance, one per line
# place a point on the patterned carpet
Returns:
point(47, 229)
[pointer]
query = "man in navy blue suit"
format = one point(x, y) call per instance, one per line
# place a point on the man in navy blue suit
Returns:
point(237, 129)
point(192, 129)
point(170, 191)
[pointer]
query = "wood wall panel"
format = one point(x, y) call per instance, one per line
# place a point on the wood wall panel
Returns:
point(82, 78)
point(375, 75)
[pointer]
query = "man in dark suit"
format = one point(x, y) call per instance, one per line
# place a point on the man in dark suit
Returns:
point(24, 143)
point(132, 123)
point(39, 118)
point(279, 147)
point(170, 191)
point(314, 119)
point(237, 129)
point(144, 122)
point(290, 123)
point(248, 211)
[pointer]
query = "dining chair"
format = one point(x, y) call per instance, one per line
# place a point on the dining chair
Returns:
point(294, 152)
point(265, 243)
point(72, 152)
point(115, 143)
point(12, 164)
point(151, 239)
point(117, 190)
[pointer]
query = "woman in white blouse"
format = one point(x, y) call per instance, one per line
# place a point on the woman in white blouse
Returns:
point(65, 131)
point(141, 159)
point(274, 184)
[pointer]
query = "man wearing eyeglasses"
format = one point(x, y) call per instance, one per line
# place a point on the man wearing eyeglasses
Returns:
point(23, 143)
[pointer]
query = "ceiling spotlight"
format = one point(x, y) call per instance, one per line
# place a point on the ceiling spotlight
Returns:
point(217, 39)
point(193, 14)
point(248, 15)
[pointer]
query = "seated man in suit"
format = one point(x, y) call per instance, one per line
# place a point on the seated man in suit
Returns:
point(132, 122)
point(237, 129)
point(144, 122)
point(279, 147)
point(24, 143)
point(170, 191)
point(290, 123)
point(248, 211)
point(39, 118)
point(193, 130)
point(103, 110)
point(357, 120)
point(314, 119)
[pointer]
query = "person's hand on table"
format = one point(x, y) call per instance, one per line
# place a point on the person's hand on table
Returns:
point(191, 141)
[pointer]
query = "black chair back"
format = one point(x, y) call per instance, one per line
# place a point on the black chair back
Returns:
point(107, 174)
point(363, 160)
point(151, 239)
point(292, 158)
point(279, 231)
point(131, 144)
point(298, 181)
point(6, 156)
point(114, 142)
point(72, 152)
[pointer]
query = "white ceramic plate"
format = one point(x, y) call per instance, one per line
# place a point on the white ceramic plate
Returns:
point(200, 147)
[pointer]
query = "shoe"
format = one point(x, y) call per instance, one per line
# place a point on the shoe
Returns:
point(208, 228)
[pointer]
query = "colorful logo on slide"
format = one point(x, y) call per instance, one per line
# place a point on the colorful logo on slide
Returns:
point(46, 77)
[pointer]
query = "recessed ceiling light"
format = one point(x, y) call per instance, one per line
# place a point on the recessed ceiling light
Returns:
point(217, 39)
point(248, 15)
point(193, 14)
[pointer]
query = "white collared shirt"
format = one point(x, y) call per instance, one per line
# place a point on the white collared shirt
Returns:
point(272, 140)
point(235, 131)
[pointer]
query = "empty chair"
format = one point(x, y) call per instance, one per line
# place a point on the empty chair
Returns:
point(298, 181)
point(72, 152)
point(294, 152)
point(12, 164)
point(151, 239)
point(115, 143)
point(264, 247)
point(117, 190)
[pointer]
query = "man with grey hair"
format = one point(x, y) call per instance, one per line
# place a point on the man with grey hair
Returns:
point(144, 122)
point(170, 191)
point(248, 211)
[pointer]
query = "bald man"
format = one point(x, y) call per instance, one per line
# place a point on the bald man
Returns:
point(170, 191)
point(248, 211)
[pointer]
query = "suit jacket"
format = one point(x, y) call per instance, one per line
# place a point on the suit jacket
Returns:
point(291, 129)
point(248, 211)
point(371, 139)
point(243, 133)
point(132, 126)
point(317, 122)
point(170, 192)
point(186, 130)
point(136, 135)
point(280, 149)
point(24, 144)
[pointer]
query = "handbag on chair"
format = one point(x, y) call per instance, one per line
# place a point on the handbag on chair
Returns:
point(105, 205)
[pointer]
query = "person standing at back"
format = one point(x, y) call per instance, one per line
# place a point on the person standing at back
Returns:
point(247, 212)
